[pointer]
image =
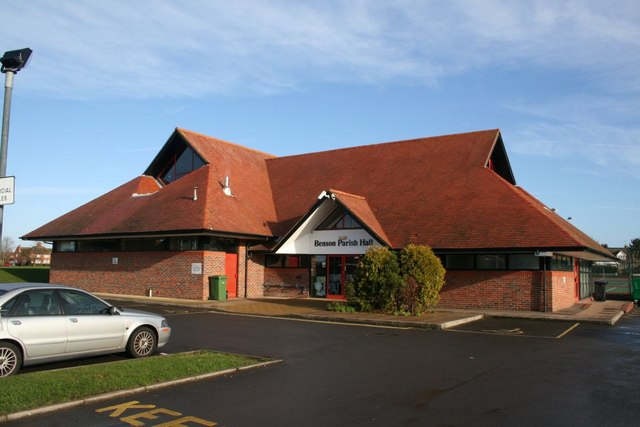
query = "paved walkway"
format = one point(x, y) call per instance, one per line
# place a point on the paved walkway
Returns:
point(605, 312)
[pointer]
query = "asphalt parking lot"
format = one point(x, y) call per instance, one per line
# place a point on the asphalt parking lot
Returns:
point(518, 327)
point(490, 372)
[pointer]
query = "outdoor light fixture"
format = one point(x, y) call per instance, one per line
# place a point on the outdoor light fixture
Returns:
point(15, 60)
point(12, 62)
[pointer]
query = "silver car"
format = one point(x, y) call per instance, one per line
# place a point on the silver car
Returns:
point(43, 323)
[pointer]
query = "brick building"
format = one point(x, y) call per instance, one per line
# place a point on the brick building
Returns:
point(37, 255)
point(297, 225)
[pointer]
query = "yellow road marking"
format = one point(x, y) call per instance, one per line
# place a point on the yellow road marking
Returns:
point(151, 413)
point(516, 332)
point(575, 325)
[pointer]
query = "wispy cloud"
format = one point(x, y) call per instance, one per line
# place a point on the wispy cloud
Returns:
point(602, 129)
point(149, 49)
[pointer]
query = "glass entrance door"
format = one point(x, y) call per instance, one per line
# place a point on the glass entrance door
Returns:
point(340, 270)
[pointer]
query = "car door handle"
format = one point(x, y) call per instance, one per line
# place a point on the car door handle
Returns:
point(73, 320)
point(16, 322)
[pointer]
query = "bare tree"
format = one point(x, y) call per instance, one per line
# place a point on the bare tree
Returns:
point(7, 246)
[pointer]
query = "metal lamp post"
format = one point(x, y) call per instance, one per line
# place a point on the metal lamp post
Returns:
point(12, 62)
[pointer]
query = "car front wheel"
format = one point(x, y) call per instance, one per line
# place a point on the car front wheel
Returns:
point(142, 342)
point(10, 359)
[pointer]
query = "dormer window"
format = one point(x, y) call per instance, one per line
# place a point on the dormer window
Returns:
point(176, 160)
point(180, 165)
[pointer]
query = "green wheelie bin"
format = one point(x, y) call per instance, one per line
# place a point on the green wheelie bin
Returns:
point(218, 288)
point(635, 288)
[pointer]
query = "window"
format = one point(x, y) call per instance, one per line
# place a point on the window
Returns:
point(491, 262)
point(5, 309)
point(184, 244)
point(287, 261)
point(586, 286)
point(150, 244)
point(561, 263)
point(131, 244)
point(459, 262)
point(97, 245)
point(524, 262)
point(77, 303)
point(339, 219)
point(36, 303)
point(158, 244)
point(65, 246)
point(181, 164)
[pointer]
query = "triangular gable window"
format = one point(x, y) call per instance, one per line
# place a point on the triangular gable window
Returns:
point(499, 162)
point(176, 160)
point(180, 165)
point(339, 219)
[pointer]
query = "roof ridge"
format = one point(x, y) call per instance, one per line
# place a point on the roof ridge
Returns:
point(344, 193)
point(244, 147)
point(402, 141)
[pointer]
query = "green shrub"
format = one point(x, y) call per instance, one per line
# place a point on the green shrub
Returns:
point(376, 281)
point(340, 307)
point(423, 278)
point(408, 284)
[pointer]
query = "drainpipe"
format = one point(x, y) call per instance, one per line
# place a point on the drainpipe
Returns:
point(544, 285)
point(246, 272)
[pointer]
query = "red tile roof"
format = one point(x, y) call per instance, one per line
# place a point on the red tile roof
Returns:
point(171, 208)
point(359, 207)
point(436, 191)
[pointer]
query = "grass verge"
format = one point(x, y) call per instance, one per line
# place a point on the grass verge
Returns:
point(33, 390)
point(24, 274)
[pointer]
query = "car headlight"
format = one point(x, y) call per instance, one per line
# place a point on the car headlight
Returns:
point(164, 324)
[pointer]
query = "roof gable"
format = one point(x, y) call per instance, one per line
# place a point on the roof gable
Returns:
point(304, 236)
point(499, 162)
point(360, 209)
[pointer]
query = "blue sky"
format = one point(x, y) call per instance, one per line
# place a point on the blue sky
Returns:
point(109, 81)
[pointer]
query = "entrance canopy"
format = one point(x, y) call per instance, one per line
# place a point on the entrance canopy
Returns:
point(338, 223)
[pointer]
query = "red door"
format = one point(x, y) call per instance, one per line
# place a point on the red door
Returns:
point(335, 281)
point(231, 271)
point(340, 270)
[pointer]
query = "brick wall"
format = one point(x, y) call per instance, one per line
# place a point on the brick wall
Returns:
point(508, 290)
point(255, 276)
point(563, 290)
point(167, 274)
point(242, 251)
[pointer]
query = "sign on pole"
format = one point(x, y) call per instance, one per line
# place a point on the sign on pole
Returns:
point(7, 190)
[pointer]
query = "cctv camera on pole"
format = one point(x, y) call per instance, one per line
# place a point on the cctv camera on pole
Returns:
point(12, 62)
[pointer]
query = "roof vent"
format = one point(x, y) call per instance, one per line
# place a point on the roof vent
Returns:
point(195, 193)
point(226, 189)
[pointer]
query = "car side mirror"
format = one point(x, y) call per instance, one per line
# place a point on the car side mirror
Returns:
point(113, 310)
